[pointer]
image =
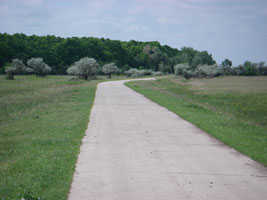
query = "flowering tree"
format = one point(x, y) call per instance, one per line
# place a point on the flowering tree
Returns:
point(38, 66)
point(85, 67)
point(109, 69)
point(17, 67)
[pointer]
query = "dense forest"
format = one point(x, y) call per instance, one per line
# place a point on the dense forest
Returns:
point(59, 53)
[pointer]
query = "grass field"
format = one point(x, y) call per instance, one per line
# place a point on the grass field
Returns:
point(232, 109)
point(42, 122)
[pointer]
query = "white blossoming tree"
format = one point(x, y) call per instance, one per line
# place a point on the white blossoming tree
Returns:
point(110, 69)
point(16, 67)
point(84, 68)
point(38, 66)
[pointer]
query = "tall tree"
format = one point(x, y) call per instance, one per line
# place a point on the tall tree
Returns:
point(227, 63)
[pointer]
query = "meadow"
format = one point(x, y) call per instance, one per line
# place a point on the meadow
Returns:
point(42, 122)
point(231, 109)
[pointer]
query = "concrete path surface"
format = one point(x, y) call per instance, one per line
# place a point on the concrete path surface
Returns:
point(135, 149)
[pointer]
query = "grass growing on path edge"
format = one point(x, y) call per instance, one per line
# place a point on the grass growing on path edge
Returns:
point(228, 116)
point(42, 123)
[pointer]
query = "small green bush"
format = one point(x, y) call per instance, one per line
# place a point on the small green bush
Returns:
point(180, 69)
point(133, 72)
point(157, 73)
point(208, 71)
point(189, 74)
point(165, 68)
point(200, 71)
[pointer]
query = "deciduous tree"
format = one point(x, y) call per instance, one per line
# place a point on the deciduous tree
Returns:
point(110, 69)
point(16, 67)
point(84, 68)
point(38, 66)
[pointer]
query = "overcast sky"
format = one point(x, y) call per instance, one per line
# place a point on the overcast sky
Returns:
point(234, 29)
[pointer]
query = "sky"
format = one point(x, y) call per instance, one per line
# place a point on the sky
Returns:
point(233, 29)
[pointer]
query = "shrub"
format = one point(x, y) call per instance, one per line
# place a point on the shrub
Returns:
point(157, 73)
point(208, 71)
point(73, 70)
point(190, 74)
point(180, 69)
point(84, 68)
point(227, 70)
point(109, 69)
point(250, 69)
point(147, 72)
point(2, 68)
point(262, 69)
point(138, 73)
point(38, 66)
point(133, 72)
point(165, 68)
point(200, 71)
point(125, 67)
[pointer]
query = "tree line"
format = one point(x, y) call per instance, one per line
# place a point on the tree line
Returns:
point(60, 53)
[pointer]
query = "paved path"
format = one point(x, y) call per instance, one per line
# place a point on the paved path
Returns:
point(136, 150)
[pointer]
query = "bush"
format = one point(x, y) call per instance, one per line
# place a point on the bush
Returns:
point(148, 72)
point(200, 71)
point(185, 70)
point(190, 74)
point(133, 72)
point(38, 66)
point(208, 71)
point(262, 69)
point(180, 69)
point(249, 69)
point(227, 70)
point(2, 70)
point(84, 68)
point(157, 73)
point(165, 68)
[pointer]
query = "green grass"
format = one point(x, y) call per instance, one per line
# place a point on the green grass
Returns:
point(42, 122)
point(232, 109)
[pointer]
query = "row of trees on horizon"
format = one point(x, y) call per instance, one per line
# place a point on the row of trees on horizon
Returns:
point(89, 56)
point(88, 68)
point(59, 53)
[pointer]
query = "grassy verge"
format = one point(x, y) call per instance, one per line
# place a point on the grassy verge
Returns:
point(232, 109)
point(42, 122)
